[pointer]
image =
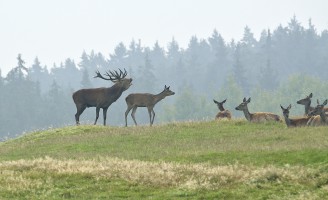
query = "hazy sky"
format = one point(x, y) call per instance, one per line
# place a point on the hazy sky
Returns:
point(55, 30)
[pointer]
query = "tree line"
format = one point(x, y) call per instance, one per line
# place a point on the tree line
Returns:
point(280, 67)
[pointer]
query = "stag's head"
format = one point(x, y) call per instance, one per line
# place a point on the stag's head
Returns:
point(306, 100)
point(285, 111)
point(117, 78)
point(318, 109)
point(243, 105)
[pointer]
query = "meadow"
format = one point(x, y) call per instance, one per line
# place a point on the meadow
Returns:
point(187, 160)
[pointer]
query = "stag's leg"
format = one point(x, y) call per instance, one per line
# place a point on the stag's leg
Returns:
point(97, 114)
point(126, 115)
point(132, 114)
point(105, 115)
point(79, 111)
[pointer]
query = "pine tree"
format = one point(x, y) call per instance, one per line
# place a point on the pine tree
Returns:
point(85, 61)
point(135, 54)
point(86, 83)
point(268, 76)
point(218, 61)
point(157, 56)
point(248, 38)
point(17, 73)
point(174, 52)
point(118, 58)
point(147, 80)
point(240, 72)
point(37, 73)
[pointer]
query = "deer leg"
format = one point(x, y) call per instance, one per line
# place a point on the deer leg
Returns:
point(126, 115)
point(105, 115)
point(152, 122)
point(78, 113)
point(97, 114)
point(77, 118)
point(149, 112)
point(132, 114)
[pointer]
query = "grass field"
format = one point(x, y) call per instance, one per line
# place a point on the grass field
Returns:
point(190, 160)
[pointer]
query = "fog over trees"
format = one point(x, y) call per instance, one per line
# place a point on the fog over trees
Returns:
point(281, 67)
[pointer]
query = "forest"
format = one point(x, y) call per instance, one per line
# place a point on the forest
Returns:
point(280, 67)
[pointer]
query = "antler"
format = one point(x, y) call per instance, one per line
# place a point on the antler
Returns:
point(113, 76)
point(98, 75)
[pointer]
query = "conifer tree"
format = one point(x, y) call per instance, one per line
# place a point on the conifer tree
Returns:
point(239, 71)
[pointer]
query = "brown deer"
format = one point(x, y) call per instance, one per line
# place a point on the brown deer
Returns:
point(293, 122)
point(257, 116)
point(101, 97)
point(318, 115)
point(223, 112)
point(307, 104)
point(145, 100)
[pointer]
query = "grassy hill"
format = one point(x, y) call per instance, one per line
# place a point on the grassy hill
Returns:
point(190, 160)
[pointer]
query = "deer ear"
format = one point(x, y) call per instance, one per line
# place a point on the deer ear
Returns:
point(249, 100)
point(224, 101)
point(310, 95)
point(244, 99)
point(289, 107)
point(325, 102)
point(168, 87)
point(281, 107)
point(164, 86)
point(215, 101)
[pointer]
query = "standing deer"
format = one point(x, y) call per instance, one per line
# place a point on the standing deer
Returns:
point(257, 116)
point(318, 115)
point(223, 112)
point(293, 122)
point(145, 100)
point(101, 97)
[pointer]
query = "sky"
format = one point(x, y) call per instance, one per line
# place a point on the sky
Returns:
point(54, 30)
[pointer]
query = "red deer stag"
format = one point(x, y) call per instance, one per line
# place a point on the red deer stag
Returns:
point(293, 122)
point(145, 100)
point(223, 112)
point(307, 104)
point(257, 116)
point(101, 97)
point(318, 115)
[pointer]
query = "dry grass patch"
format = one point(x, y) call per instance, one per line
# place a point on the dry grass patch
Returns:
point(17, 174)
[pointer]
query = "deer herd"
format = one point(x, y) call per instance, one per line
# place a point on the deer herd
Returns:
point(102, 98)
point(313, 116)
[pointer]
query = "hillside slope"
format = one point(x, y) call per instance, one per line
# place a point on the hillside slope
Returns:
point(227, 159)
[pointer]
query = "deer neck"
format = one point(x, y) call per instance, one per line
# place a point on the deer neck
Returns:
point(247, 114)
point(221, 108)
point(287, 120)
point(308, 108)
point(323, 117)
point(115, 91)
point(159, 97)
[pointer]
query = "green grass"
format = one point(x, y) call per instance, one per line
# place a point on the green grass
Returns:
point(193, 160)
